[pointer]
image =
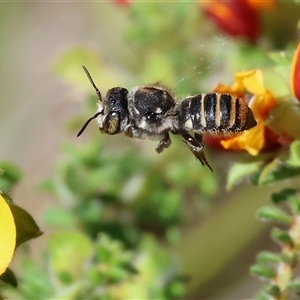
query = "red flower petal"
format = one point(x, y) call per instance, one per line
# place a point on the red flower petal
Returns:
point(237, 18)
point(213, 141)
point(295, 74)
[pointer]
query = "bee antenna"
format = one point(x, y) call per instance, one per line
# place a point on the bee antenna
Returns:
point(87, 122)
point(92, 82)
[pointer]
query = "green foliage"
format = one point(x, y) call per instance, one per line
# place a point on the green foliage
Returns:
point(277, 268)
point(273, 290)
point(242, 169)
point(27, 228)
point(275, 214)
point(34, 282)
point(10, 175)
point(167, 42)
point(294, 285)
point(281, 236)
point(9, 277)
point(276, 170)
point(101, 269)
point(98, 186)
point(262, 271)
point(266, 257)
point(267, 168)
point(284, 195)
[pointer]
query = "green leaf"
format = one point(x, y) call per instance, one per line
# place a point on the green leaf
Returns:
point(276, 170)
point(9, 175)
point(270, 213)
point(284, 119)
point(9, 277)
point(281, 236)
point(294, 284)
point(26, 227)
point(262, 271)
point(282, 167)
point(273, 290)
point(242, 169)
point(294, 159)
point(276, 81)
point(261, 295)
point(267, 257)
point(281, 58)
point(283, 195)
point(176, 287)
point(289, 258)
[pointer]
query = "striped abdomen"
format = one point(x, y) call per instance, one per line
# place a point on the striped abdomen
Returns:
point(216, 114)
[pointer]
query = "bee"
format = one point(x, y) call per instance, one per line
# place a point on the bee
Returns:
point(152, 112)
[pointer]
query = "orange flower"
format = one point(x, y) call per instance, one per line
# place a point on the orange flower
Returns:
point(295, 74)
point(260, 138)
point(261, 4)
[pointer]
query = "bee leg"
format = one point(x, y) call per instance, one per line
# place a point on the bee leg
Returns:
point(164, 143)
point(198, 137)
point(196, 146)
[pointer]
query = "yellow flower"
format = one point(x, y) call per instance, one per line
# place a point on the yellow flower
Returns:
point(7, 235)
point(249, 84)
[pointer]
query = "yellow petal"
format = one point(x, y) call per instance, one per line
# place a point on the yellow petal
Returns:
point(7, 235)
point(251, 141)
point(252, 81)
point(262, 105)
point(255, 139)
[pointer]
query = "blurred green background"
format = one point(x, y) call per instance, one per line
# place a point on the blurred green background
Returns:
point(148, 226)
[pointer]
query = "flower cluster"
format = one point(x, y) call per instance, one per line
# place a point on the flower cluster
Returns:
point(250, 85)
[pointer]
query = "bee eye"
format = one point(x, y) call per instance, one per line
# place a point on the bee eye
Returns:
point(151, 117)
point(111, 123)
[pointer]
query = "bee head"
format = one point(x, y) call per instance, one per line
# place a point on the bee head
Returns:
point(112, 114)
